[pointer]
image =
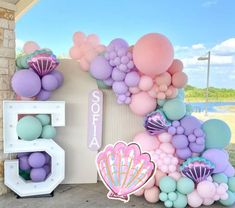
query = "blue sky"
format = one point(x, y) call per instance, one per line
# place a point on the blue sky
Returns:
point(194, 27)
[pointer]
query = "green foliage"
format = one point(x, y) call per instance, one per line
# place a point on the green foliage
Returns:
point(215, 94)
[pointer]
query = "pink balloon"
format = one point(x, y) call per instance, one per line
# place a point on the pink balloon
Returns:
point(158, 175)
point(174, 92)
point(194, 199)
point(75, 53)
point(90, 55)
point(100, 48)
point(30, 47)
point(139, 192)
point(176, 66)
point(142, 103)
point(208, 202)
point(206, 189)
point(152, 92)
point(161, 95)
point(134, 90)
point(153, 54)
point(163, 79)
point(179, 79)
point(93, 39)
point(176, 175)
point(79, 38)
point(150, 183)
point(165, 137)
point(84, 64)
point(167, 148)
point(145, 83)
point(152, 195)
point(146, 141)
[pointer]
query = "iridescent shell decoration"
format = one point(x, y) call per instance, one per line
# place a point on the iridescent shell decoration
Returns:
point(43, 62)
point(197, 168)
point(156, 122)
point(124, 169)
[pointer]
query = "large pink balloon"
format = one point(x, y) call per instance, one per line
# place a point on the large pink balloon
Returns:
point(153, 54)
point(30, 47)
point(142, 103)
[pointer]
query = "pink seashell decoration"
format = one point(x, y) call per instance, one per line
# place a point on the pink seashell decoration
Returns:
point(43, 63)
point(124, 169)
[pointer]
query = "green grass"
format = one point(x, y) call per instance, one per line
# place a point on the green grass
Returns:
point(231, 151)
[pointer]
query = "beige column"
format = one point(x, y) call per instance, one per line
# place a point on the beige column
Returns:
point(7, 68)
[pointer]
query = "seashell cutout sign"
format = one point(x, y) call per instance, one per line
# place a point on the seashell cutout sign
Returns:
point(124, 169)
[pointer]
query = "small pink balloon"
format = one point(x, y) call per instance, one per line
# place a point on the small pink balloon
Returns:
point(152, 92)
point(163, 88)
point(152, 195)
point(176, 66)
point(90, 55)
point(30, 47)
point(164, 137)
point(206, 189)
point(208, 202)
point(93, 39)
point(163, 79)
point(134, 90)
point(100, 48)
point(179, 79)
point(153, 54)
point(139, 192)
point(79, 38)
point(150, 183)
point(75, 53)
point(194, 199)
point(176, 175)
point(158, 175)
point(84, 64)
point(174, 92)
point(167, 148)
point(161, 96)
point(145, 83)
point(146, 141)
point(142, 104)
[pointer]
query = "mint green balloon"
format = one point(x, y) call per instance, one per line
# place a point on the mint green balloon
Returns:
point(48, 132)
point(163, 196)
point(218, 134)
point(174, 109)
point(181, 201)
point(167, 184)
point(185, 185)
point(24, 61)
point(168, 203)
point(44, 119)
point(29, 128)
point(231, 184)
point(161, 102)
point(18, 62)
point(102, 85)
point(220, 178)
point(230, 201)
point(172, 196)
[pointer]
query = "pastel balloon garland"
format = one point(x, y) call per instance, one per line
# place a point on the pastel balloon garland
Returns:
point(192, 165)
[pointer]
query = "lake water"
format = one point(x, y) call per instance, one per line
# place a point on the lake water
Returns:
point(212, 106)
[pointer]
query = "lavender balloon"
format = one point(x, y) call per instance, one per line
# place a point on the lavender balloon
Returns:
point(59, 76)
point(132, 79)
point(197, 168)
point(118, 75)
point(23, 163)
point(38, 174)
point(117, 43)
point(49, 82)
point(44, 95)
point(156, 122)
point(120, 87)
point(37, 160)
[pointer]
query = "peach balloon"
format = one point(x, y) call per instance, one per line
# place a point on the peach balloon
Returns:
point(153, 54)
point(150, 183)
point(90, 55)
point(142, 103)
point(163, 88)
point(79, 38)
point(93, 39)
point(167, 148)
point(100, 48)
point(161, 95)
point(164, 137)
point(163, 79)
point(152, 195)
point(152, 92)
point(146, 141)
point(30, 47)
point(176, 66)
point(139, 192)
point(75, 53)
point(179, 79)
point(134, 90)
point(158, 175)
point(174, 92)
point(145, 83)
point(194, 199)
point(84, 64)
point(176, 175)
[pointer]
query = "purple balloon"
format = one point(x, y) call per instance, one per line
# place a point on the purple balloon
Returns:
point(184, 153)
point(37, 160)
point(118, 75)
point(38, 174)
point(120, 87)
point(100, 68)
point(23, 163)
point(43, 95)
point(47, 168)
point(49, 82)
point(196, 147)
point(189, 123)
point(26, 83)
point(218, 157)
point(48, 158)
point(59, 76)
point(132, 79)
point(229, 171)
point(22, 154)
point(118, 43)
point(180, 141)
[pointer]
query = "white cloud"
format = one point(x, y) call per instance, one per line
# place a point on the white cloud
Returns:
point(209, 3)
point(198, 46)
point(19, 44)
point(225, 48)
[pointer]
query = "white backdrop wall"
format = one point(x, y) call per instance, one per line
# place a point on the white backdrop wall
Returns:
point(119, 123)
